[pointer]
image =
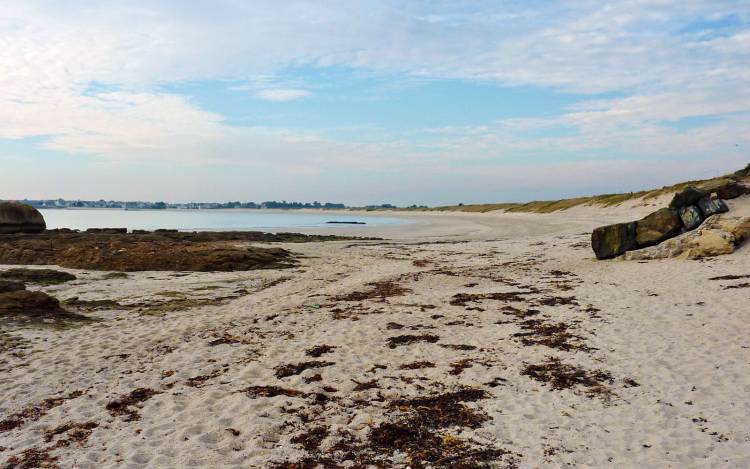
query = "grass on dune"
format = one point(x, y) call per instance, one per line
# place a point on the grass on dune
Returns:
point(603, 200)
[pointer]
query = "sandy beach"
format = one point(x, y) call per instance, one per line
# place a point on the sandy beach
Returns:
point(462, 337)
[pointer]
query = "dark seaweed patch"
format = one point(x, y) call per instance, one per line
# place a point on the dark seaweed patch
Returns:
point(400, 340)
point(379, 290)
point(561, 376)
point(125, 404)
point(319, 350)
point(552, 335)
point(271, 391)
point(35, 412)
point(461, 299)
point(311, 439)
point(292, 369)
point(416, 365)
point(458, 346)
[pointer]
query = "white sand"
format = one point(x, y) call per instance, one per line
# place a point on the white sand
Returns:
point(684, 339)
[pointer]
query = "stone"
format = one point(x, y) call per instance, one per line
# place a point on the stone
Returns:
point(719, 235)
point(41, 276)
point(613, 240)
point(691, 217)
point(724, 188)
point(20, 218)
point(709, 206)
point(658, 226)
point(686, 197)
point(28, 303)
point(744, 172)
point(9, 286)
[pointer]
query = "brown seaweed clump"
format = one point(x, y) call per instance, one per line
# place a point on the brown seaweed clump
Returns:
point(292, 369)
point(408, 339)
point(125, 405)
point(559, 376)
point(378, 290)
point(420, 429)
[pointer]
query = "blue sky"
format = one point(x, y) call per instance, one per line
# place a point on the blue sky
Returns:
point(369, 101)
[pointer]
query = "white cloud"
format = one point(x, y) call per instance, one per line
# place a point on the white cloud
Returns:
point(282, 95)
point(51, 53)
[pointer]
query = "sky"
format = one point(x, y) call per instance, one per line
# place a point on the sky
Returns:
point(369, 101)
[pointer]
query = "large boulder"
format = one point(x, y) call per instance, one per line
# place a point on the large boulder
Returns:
point(710, 206)
point(724, 188)
point(28, 303)
point(658, 226)
point(41, 276)
point(686, 197)
point(20, 218)
point(719, 234)
point(9, 286)
point(613, 240)
point(691, 217)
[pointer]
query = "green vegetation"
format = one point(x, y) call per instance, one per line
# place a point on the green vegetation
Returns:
point(604, 200)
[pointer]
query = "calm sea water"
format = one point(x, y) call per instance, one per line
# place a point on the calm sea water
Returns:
point(204, 220)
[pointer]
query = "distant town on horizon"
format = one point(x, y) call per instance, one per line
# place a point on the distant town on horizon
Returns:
point(144, 205)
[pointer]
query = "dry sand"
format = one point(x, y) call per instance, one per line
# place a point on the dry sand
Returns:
point(577, 362)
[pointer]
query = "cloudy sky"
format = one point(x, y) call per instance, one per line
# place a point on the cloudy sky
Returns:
point(364, 101)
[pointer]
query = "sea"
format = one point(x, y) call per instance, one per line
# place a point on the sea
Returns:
point(210, 220)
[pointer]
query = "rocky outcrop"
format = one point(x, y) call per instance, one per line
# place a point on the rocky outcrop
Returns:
point(687, 210)
point(691, 217)
point(709, 206)
point(30, 303)
point(726, 188)
point(613, 240)
point(686, 197)
point(719, 234)
point(9, 286)
point(20, 218)
point(656, 227)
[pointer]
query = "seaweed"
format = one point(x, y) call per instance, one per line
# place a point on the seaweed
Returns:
point(292, 369)
point(559, 376)
point(124, 405)
point(400, 340)
point(379, 290)
point(319, 350)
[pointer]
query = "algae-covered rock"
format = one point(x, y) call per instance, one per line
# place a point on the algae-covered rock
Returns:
point(691, 217)
point(9, 286)
point(724, 188)
point(28, 303)
point(41, 276)
point(658, 226)
point(686, 197)
point(613, 240)
point(20, 218)
point(709, 206)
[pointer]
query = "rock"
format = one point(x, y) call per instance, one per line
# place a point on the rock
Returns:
point(43, 276)
point(744, 172)
point(686, 197)
point(691, 217)
point(9, 286)
point(658, 226)
point(20, 218)
point(719, 234)
point(709, 206)
point(711, 243)
point(30, 303)
point(107, 230)
point(613, 240)
point(724, 188)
